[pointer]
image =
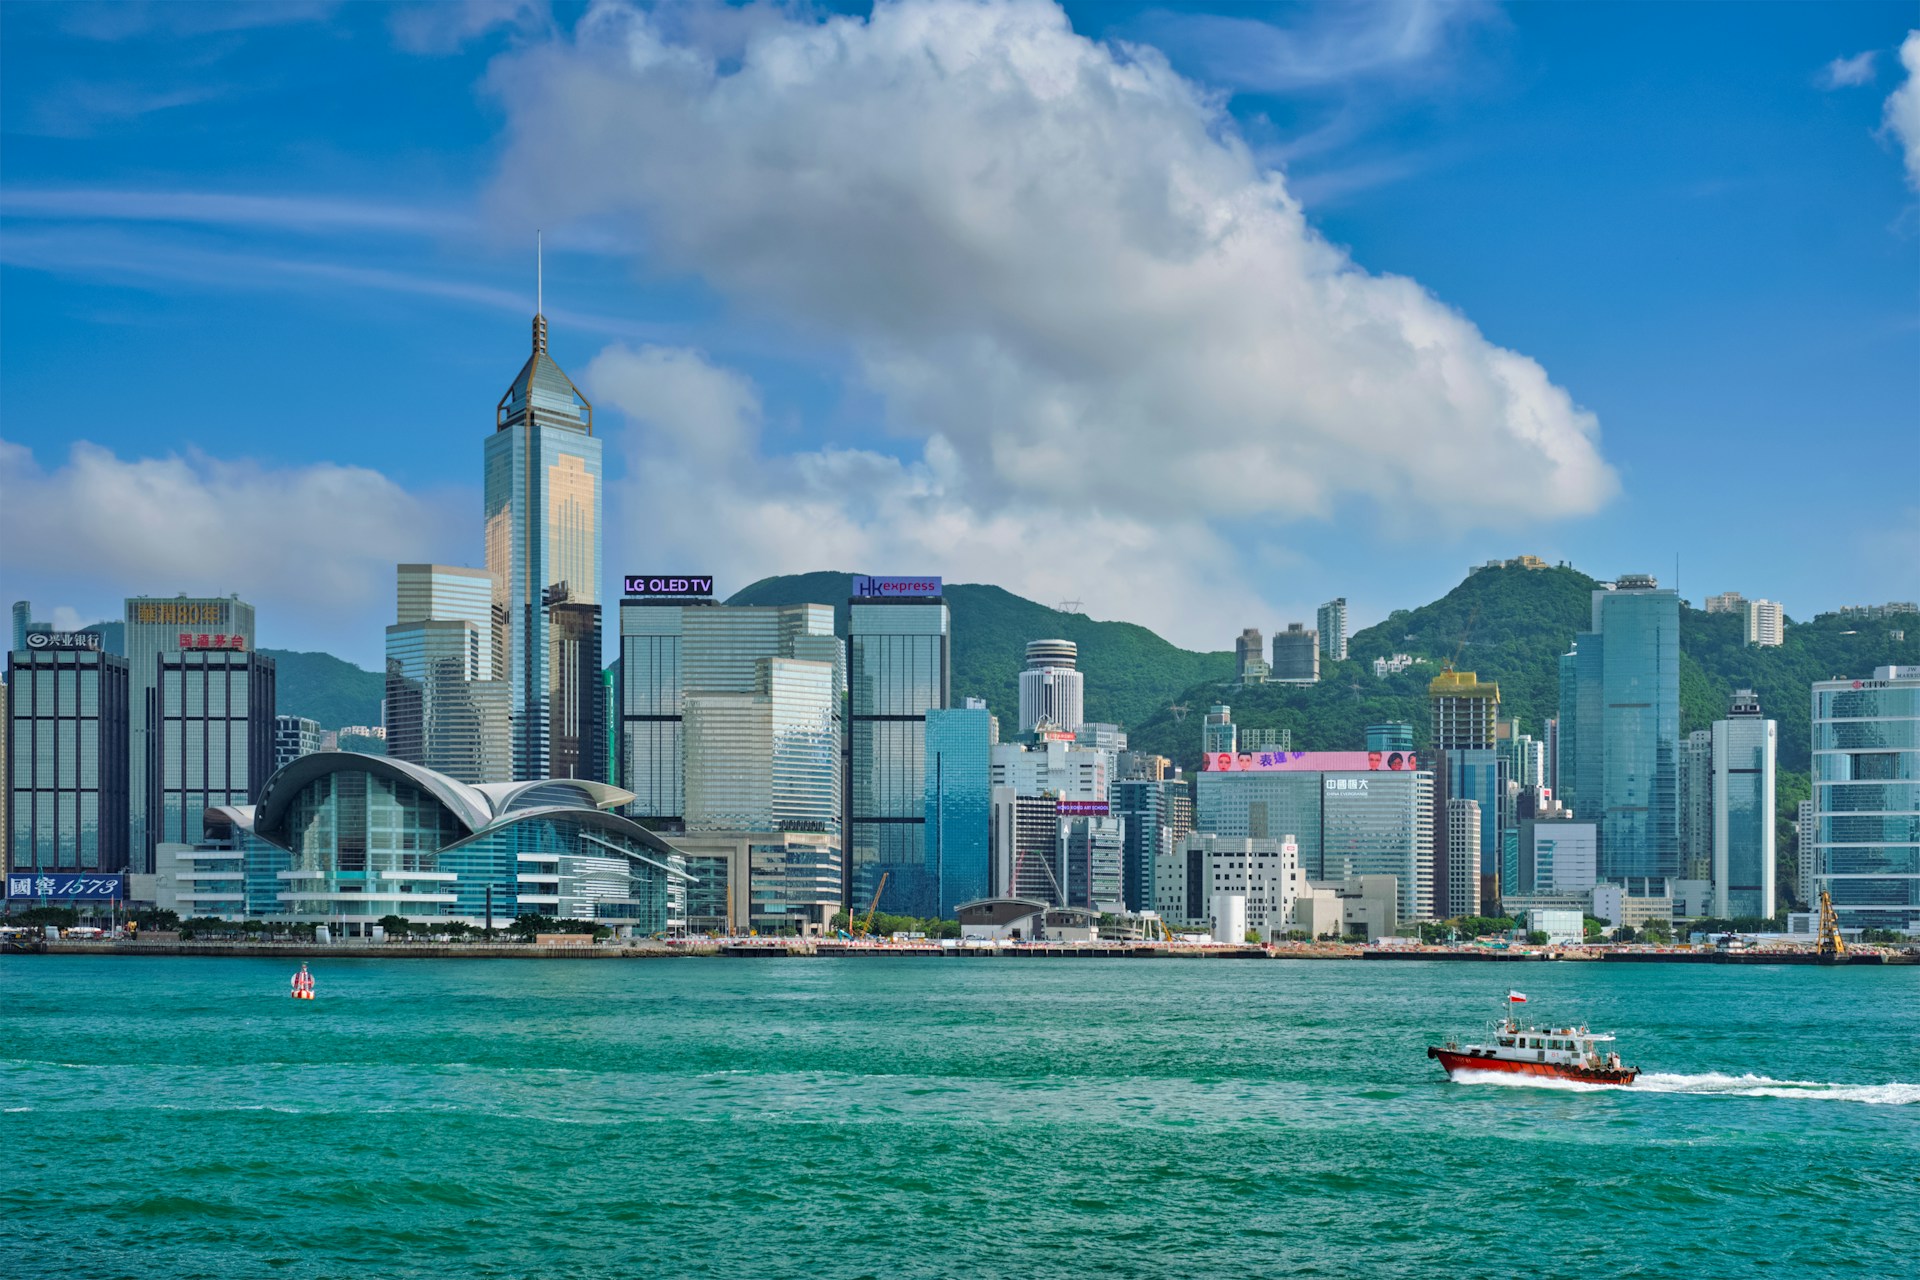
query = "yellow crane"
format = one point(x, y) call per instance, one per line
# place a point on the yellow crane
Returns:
point(1832, 945)
point(866, 926)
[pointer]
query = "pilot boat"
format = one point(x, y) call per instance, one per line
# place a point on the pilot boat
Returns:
point(1562, 1053)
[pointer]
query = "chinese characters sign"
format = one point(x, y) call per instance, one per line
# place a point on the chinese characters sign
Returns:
point(201, 640)
point(194, 614)
point(63, 640)
point(1308, 761)
point(93, 887)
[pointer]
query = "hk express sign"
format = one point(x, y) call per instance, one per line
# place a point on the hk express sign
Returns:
point(870, 588)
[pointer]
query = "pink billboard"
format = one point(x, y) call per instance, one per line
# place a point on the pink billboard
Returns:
point(1308, 761)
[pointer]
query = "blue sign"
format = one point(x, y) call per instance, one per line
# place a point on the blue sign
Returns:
point(66, 885)
point(866, 588)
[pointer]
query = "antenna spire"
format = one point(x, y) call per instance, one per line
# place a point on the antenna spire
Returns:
point(539, 293)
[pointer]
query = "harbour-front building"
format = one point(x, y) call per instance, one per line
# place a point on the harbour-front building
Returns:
point(345, 840)
point(1866, 797)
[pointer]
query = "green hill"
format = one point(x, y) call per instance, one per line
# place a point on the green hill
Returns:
point(325, 688)
point(1131, 671)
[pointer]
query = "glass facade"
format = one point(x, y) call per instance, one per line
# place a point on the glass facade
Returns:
point(439, 715)
point(1743, 813)
point(897, 671)
point(157, 625)
point(1263, 806)
point(211, 739)
point(67, 761)
point(344, 839)
point(1866, 796)
point(575, 732)
point(1381, 824)
point(1620, 726)
point(1154, 811)
point(959, 804)
point(542, 512)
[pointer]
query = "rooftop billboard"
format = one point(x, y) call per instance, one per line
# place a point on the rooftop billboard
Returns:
point(866, 588)
point(1308, 761)
point(666, 584)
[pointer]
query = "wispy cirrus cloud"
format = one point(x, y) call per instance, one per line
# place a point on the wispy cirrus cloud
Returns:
point(1844, 73)
point(446, 26)
point(220, 208)
point(141, 19)
point(1901, 115)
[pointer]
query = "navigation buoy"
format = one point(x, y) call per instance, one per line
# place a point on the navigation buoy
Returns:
point(302, 985)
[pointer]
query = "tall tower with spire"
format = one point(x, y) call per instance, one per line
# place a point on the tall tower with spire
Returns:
point(543, 532)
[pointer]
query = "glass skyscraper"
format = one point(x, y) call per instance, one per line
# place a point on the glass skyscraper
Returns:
point(1866, 797)
point(1155, 811)
point(447, 701)
point(1743, 804)
point(67, 761)
point(898, 669)
point(157, 625)
point(1620, 725)
point(543, 498)
point(959, 804)
point(210, 738)
point(672, 649)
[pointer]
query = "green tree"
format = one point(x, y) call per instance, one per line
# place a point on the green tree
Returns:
point(1538, 938)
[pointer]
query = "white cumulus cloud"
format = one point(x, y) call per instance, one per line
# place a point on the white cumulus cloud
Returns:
point(1082, 303)
point(1902, 113)
point(702, 491)
point(313, 547)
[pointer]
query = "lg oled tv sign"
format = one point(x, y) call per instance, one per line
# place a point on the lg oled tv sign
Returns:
point(666, 584)
point(866, 588)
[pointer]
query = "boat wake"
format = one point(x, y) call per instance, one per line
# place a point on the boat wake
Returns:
point(1714, 1083)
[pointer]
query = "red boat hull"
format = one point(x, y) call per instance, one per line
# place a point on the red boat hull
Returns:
point(1455, 1061)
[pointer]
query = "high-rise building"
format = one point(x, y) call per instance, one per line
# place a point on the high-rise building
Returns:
point(1558, 855)
point(1053, 768)
point(1250, 657)
point(1696, 805)
point(1296, 656)
point(210, 739)
point(1025, 843)
point(447, 703)
point(1727, 602)
point(1622, 717)
point(293, 737)
point(898, 669)
point(1217, 734)
point(1093, 849)
point(6, 779)
point(1158, 813)
point(22, 619)
point(1766, 623)
point(1743, 803)
point(543, 527)
point(1552, 756)
point(959, 804)
point(1332, 622)
point(1052, 688)
point(68, 765)
point(1458, 893)
point(1465, 713)
point(767, 760)
point(576, 730)
point(1392, 736)
point(157, 625)
point(1350, 814)
point(1806, 856)
point(675, 647)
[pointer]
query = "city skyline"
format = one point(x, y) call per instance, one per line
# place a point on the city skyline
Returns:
point(755, 391)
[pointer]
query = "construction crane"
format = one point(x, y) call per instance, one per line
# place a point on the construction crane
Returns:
point(866, 926)
point(1832, 945)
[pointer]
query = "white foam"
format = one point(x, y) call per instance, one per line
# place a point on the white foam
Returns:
point(1716, 1084)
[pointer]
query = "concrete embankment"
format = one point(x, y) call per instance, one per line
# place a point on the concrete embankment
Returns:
point(368, 950)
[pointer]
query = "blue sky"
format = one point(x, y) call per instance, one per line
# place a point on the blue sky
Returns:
point(1198, 317)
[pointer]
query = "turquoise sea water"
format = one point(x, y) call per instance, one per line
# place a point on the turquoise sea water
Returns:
point(936, 1117)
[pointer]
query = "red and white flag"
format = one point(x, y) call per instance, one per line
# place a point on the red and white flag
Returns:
point(1515, 997)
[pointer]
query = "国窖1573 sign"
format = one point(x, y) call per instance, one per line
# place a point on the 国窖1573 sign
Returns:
point(667, 584)
point(67, 885)
point(869, 588)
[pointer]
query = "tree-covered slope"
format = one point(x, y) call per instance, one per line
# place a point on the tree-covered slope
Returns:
point(325, 688)
point(1131, 672)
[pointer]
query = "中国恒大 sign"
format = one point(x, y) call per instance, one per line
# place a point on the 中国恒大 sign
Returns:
point(67, 885)
point(666, 584)
point(869, 588)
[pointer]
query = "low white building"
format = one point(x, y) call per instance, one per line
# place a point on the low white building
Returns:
point(1266, 873)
